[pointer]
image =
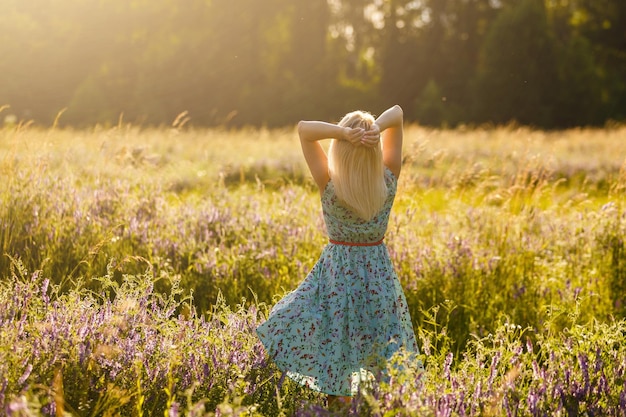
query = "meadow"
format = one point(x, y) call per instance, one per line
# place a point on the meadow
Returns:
point(136, 262)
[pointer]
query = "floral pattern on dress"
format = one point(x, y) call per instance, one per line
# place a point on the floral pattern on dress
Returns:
point(348, 313)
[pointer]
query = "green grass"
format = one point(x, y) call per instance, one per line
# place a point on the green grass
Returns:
point(490, 227)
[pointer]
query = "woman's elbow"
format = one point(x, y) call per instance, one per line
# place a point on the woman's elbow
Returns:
point(302, 129)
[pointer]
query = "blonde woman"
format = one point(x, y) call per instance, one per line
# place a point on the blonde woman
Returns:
point(350, 311)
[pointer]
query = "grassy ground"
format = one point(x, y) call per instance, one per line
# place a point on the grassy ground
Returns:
point(509, 243)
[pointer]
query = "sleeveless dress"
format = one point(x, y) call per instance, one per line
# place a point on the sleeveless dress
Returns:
point(349, 314)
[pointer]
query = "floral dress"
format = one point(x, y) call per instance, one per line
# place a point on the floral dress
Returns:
point(349, 312)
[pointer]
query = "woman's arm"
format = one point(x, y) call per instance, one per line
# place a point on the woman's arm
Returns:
point(390, 123)
point(311, 132)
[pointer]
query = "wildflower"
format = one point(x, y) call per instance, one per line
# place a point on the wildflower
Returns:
point(584, 367)
point(516, 354)
point(44, 291)
point(532, 401)
point(494, 368)
point(281, 380)
point(622, 400)
point(25, 375)
point(446, 366)
point(609, 207)
point(599, 363)
point(536, 371)
point(603, 386)
point(174, 410)
point(3, 389)
point(18, 407)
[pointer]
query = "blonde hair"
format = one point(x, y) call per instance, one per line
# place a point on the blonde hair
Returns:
point(358, 172)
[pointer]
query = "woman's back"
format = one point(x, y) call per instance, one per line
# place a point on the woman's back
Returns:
point(343, 225)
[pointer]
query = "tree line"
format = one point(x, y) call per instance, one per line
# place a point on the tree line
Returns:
point(545, 63)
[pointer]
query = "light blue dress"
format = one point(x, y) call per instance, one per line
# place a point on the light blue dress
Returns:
point(349, 312)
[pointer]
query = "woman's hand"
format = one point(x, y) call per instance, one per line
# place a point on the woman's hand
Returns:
point(359, 136)
point(371, 137)
point(354, 135)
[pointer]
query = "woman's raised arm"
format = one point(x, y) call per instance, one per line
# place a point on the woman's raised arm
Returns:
point(390, 123)
point(311, 132)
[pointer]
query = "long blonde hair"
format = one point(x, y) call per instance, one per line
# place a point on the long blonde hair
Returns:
point(358, 172)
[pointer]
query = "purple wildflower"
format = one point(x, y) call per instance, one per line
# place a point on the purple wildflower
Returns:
point(494, 369)
point(3, 389)
point(44, 291)
point(446, 366)
point(174, 410)
point(532, 400)
point(17, 407)
point(599, 363)
point(281, 380)
point(25, 375)
point(584, 367)
point(516, 354)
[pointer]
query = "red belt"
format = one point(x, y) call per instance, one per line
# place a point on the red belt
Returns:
point(337, 242)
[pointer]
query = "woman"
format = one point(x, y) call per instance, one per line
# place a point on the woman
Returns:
point(350, 311)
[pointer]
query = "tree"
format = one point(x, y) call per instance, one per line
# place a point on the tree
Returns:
point(603, 23)
point(410, 50)
point(543, 62)
point(579, 101)
point(517, 76)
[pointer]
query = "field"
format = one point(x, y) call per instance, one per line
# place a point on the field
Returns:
point(136, 263)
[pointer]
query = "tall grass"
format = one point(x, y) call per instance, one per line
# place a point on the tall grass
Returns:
point(492, 229)
point(143, 353)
